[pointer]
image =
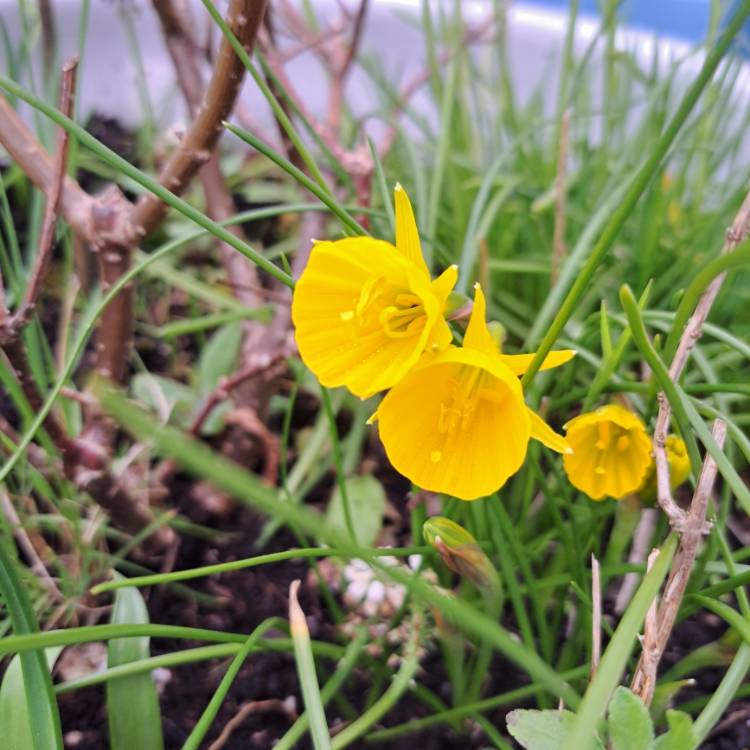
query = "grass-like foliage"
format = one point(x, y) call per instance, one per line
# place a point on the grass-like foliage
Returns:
point(473, 381)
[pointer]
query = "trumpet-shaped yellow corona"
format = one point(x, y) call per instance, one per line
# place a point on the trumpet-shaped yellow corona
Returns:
point(611, 452)
point(457, 423)
point(679, 468)
point(364, 310)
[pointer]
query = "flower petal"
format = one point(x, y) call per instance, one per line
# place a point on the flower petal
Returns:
point(477, 335)
point(542, 432)
point(611, 452)
point(519, 363)
point(407, 234)
point(444, 447)
point(324, 311)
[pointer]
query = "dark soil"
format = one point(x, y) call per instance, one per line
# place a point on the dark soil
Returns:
point(252, 596)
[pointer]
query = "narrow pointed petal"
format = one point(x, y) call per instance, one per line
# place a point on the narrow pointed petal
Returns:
point(443, 284)
point(519, 363)
point(478, 336)
point(407, 234)
point(542, 432)
point(441, 336)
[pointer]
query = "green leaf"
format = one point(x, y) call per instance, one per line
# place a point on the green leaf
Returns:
point(40, 700)
point(367, 504)
point(132, 703)
point(664, 695)
point(630, 726)
point(174, 402)
point(539, 730)
point(15, 717)
point(219, 357)
point(680, 735)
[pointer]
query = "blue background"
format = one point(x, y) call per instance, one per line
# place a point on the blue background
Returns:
point(687, 19)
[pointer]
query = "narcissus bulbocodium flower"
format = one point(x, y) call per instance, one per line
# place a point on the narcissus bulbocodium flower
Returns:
point(364, 310)
point(679, 468)
point(611, 452)
point(457, 423)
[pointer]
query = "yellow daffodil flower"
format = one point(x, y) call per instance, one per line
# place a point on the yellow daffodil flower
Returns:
point(457, 423)
point(611, 452)
point(679, 468)
point(364, 310)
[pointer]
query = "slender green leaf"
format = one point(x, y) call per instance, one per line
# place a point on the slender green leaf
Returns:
point(133, 711)
point(306, 671)
point(44, 718)
point(15, 716)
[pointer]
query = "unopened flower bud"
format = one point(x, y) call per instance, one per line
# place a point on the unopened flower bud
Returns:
point(461, 552)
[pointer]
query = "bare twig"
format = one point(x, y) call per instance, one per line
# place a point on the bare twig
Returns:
point(645, 679)
point(49, 35)
point(225, 387)
point(738, 231)
point(222, 392)
point(10, 327)
point(473, 35)
point(244, 18)
point(28, 548)
point(341, 71)
point(53, 201)
point(682, 566)
point(252, 707)
point(561, 191)
point(25, 150)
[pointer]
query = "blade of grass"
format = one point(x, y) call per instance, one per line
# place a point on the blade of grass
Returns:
point(343, 670)
point(158, 579)
point(306, 671)
point(325, 198)
point(34, 641)
point(144, 180)
point(689, 301)
point(391, 696)
point(636, 188)
point(193, 742)
point(176, 659)
point(594, 704)
point(201, 460)
point(15, 717)
point(135, 695)
point(44, 717)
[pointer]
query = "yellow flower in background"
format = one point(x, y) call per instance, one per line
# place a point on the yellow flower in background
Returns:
point(679, 468)
point(364, 310)
point(611, 452)
point(457, 423)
